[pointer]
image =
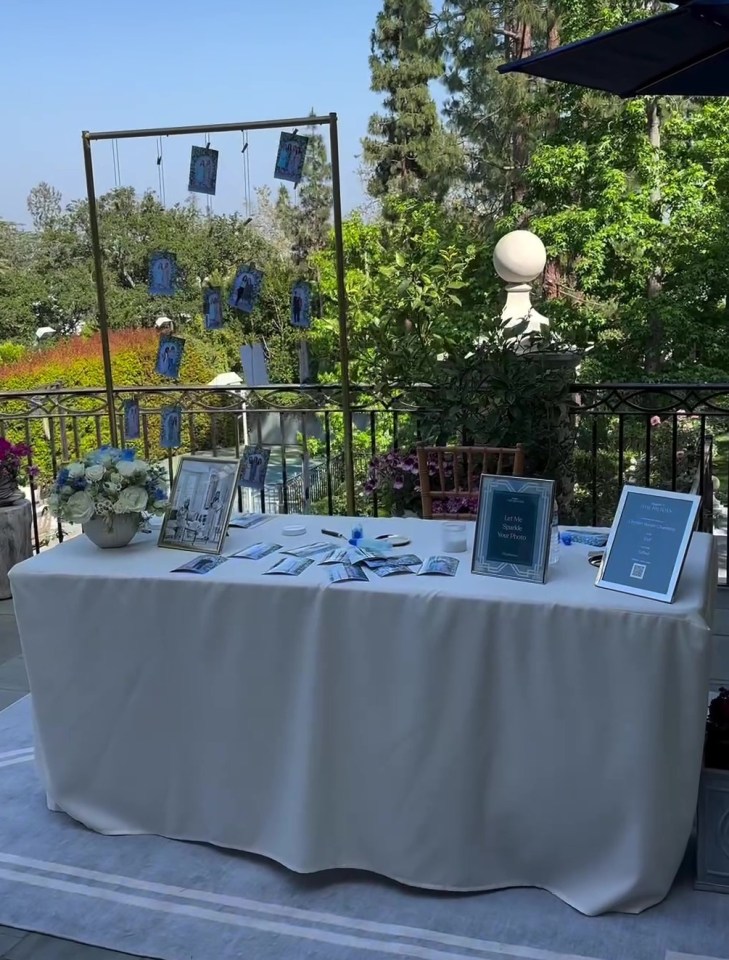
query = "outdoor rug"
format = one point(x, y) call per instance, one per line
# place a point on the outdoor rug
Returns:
point(185, 901)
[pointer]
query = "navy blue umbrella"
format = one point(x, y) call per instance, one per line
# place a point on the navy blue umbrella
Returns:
point(684, 52)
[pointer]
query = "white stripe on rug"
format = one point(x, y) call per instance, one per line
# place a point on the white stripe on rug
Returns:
point(15, 753)
point(25, 759)
point(251, 923)
point(670, 955)
point(489, 948)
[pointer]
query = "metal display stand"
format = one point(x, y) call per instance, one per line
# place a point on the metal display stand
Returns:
point(331, 122)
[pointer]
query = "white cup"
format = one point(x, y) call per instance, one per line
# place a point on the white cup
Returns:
point(453, 537)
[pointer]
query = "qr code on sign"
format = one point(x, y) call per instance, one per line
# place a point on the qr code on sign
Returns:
point(638, 571)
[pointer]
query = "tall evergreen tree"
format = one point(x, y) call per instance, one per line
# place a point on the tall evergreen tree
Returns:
point(408, 150)
point(499, 119)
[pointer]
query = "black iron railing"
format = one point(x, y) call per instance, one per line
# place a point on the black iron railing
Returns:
point(674, 436)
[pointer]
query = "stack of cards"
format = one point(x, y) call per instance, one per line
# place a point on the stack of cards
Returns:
point(338, 555)
point(342, 572)
point(250, 520)
point(200, 565)
point(394, 565)
point(290, 566)
point(256, 551)
point(439, 566)
point(311, 550)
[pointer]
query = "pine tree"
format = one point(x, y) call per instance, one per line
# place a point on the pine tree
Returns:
point(499, 119)
point(408, 150)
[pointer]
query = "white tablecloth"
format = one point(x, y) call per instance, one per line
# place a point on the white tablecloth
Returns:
point(461, 734)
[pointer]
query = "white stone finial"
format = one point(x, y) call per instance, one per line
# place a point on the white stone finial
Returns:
point(519, 258)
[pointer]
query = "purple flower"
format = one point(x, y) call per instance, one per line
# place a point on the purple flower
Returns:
point(398, 483)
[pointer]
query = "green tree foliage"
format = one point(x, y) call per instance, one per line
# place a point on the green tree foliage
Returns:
point(408, 150)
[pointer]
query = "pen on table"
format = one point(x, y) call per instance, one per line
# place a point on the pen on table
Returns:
point(333, 533)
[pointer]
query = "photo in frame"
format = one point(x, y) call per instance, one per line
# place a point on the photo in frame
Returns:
point(301, 305)
point(512, 528)
point(163, 274)
point(213, 308)
point(169, 356)
point(203, 170)
point(171, 428)
point(254, 464)
point(648, 542)
point(132, 420)
point(245, 290)
point(291, 157)
point(200, 505)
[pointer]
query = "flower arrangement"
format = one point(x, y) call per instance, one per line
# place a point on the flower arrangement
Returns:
point(395, 477)
point(716, 752)
point(108, 482)
point(12, 457)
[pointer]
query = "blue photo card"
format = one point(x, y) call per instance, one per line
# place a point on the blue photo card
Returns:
point(245, 290)
point(512, 528)
point(169, 356)
point(648, 542)
point(131, 420)
point(301, 305)
point(170, 436)
point(213, 308)
point(290, 158)
point(203, 170)
point(163, 274)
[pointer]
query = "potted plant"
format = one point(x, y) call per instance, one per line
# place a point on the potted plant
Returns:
point(713, 814)
point(395, 478)
point(109, 493)
point(14, 459)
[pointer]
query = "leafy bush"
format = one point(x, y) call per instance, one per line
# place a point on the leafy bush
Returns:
point(77, 362)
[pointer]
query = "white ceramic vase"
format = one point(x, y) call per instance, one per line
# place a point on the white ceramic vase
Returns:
point(119, 533)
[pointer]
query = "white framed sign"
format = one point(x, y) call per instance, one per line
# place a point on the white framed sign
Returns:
point(648, 542)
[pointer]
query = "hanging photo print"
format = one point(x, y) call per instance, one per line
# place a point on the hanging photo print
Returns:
point(171, 427)
point(254, 464)
point(169, 357)
point(203, 170)
point(246, 287)
point(131, 419)
point(213, 308)
point(253, 361)
point(291, 156)
point(163, 274)
point(301, 305)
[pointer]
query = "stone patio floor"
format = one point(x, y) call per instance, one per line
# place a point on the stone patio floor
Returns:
point(20, 944)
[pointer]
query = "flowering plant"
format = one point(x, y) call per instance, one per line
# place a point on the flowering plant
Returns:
point(11, 461)
point(395, 476)
point(106, 483)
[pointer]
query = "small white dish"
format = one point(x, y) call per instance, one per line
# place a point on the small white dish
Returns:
point(294, 531)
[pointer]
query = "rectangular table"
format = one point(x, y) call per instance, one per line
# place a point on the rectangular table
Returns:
point(457, 734)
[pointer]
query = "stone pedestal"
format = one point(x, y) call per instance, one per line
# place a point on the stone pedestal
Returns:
point(15, 540)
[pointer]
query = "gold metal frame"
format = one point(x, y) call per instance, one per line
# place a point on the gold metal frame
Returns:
point(211, 462)
point(329, 120)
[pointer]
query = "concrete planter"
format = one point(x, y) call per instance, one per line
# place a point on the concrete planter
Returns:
point(712, 852)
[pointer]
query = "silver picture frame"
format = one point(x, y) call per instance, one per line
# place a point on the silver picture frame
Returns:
point(200, 504)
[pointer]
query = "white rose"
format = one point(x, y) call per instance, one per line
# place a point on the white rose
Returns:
point(95, 472)
point(126, 468)
point(79, 508)
point(76, 470)
point(115, 477)
point(66, 489)
point(131, 500)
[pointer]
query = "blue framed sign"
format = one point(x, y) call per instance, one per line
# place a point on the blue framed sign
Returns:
point(648, 542)
point(512, 528)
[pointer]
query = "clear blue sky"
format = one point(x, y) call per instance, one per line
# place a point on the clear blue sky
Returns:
point(73, 65)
